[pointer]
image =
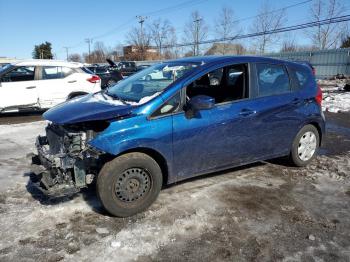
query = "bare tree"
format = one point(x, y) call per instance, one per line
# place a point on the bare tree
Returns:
point(326, 36)
point(225, 27)
point(289, 44)
point(267, 20)
point(140, 40)
point(75, 58)
point(161, 32)
point(195, 31)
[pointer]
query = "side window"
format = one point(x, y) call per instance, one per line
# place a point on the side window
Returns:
point(51, 72)
point(225, 84)
point(66, 71)
point(302, 76)
point(272, 79)
point(23, 73)
point(169, 107)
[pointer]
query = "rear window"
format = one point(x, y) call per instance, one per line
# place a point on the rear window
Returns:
point(87, 70)
point(272, 79)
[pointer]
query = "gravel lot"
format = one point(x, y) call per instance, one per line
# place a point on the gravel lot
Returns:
point(262, 212)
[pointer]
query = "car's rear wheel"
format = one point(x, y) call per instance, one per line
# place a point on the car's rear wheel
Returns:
point(305, 146)
point(129, 184)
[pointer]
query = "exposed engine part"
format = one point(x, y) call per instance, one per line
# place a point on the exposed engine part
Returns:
point(89, 178)
point(64, 159)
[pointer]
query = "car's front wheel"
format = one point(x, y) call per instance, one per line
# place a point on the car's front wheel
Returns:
point(129, 184)
point(305, 146)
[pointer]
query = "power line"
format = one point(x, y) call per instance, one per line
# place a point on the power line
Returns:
point(131, 20)
point(173, 8)
point(273, 11)
point(333, 20)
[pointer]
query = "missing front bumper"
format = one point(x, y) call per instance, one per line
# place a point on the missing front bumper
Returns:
point(58, 174)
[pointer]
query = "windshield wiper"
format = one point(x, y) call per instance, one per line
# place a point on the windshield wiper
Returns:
point(114, 96)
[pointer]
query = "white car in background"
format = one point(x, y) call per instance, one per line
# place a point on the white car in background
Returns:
point(41, 84)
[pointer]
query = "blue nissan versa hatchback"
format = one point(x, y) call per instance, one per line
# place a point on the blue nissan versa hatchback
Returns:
point(192, 116)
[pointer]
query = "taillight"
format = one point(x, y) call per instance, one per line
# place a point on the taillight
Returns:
point(94, 79)
point(318, 96)
point(313, 71)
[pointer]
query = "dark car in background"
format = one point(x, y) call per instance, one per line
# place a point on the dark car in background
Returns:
point(126, 68)
point(109, 76)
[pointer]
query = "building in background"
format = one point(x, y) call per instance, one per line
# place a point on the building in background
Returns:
point(135, 53)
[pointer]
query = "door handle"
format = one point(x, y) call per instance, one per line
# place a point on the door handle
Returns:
point(247, 112)
point(72, 81)
point(30, 87)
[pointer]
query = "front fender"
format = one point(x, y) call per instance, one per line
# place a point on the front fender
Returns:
point(136, 132)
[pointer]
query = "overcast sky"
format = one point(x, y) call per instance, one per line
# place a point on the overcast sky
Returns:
point(68, 23)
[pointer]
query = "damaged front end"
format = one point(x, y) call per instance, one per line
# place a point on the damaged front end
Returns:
point(65, 162)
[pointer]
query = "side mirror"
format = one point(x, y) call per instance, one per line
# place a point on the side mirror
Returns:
point(201, 102)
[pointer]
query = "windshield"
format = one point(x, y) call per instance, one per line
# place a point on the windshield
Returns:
point(149, 82)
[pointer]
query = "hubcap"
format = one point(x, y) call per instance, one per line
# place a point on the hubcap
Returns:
point(132, 184)
point(307, 146)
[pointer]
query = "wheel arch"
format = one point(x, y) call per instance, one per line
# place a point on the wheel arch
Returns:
point(75, 94)
point(319, 129)
point(158, 157)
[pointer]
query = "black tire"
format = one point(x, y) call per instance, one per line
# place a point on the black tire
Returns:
point(294, 155)
point(119, 177)
point(148, 78)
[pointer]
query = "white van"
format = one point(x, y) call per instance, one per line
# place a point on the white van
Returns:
point(41, 84)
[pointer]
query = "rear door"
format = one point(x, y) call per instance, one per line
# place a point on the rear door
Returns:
point(55, 85)
point(19, 87)
point(277, 109)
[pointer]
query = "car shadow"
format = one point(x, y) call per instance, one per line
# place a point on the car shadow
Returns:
point(90, 197)
point(88, 194)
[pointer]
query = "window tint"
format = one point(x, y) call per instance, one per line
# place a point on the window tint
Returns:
point(66, 71)
point(171, 106)
point(224, 84)
point(101, 70)
point(51, 72)
point(303, 77)
point(273, 79)
point(23, 73)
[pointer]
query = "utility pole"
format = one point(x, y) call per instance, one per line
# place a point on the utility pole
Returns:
point(88, 41)
point(160, 46)
point(196, 47)
point(141, 21)
point(66, 47)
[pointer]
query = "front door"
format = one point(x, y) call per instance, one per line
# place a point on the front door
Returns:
point(19, 88)
point(219, 137)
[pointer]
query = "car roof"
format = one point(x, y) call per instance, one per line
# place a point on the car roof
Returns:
point(238, 59)
point(47, 62)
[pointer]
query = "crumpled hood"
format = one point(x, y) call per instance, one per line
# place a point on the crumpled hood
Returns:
point(91, 107)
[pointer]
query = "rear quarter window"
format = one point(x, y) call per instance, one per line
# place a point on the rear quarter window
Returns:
point(302, 76)
point(272, 79)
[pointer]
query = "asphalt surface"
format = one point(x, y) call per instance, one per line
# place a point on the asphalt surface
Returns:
point(17, 118)
point(268, 211)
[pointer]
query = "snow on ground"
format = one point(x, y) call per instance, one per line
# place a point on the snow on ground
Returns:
point(335, 99)
point(16, 142)
point(260, 212)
